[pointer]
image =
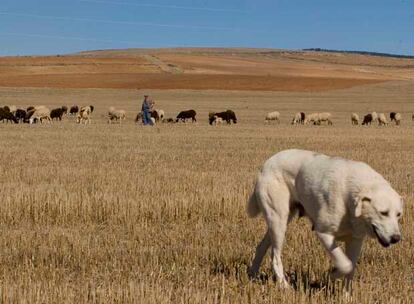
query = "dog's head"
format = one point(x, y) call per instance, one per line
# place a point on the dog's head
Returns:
point(381, 208)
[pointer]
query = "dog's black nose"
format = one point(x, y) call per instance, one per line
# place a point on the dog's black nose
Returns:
point(395, 238)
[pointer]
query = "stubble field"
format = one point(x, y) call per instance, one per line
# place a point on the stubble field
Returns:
point(125, 213)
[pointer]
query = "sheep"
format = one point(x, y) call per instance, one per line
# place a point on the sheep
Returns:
point(312, 118)
point(40, 113)
point(382, 120)
point(29, 115)
point(20, 115)
point(318, 118)
point(229, 116)
point(8, 116)
point(58, 113)
point(73, 110)
point(367, 119)
point(272, 116)
point(160, 114)
point(84, 115)
point(116, 115)
point(154, 114)
point(325, 117)
point(396, 117)
point(297, 118)
point(184, 115)
point(354, 119)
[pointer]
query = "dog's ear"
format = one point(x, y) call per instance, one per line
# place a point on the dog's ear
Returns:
point(358, 204)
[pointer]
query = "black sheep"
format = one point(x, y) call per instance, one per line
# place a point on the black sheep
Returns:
point(20, 114)
point(184, 115)
point(73, 110)
point(302, 118)
point(6, 115)
point(57, 113)
point(367, 119)
point(228, 116)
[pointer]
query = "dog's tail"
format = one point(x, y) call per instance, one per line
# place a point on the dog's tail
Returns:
point(253, 209)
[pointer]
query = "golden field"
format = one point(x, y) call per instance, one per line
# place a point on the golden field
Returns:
point(131, 214)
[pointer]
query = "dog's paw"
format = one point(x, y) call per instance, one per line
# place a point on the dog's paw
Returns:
point(337, 273)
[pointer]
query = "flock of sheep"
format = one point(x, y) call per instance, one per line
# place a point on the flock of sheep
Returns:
point(40, 114)
point(325, 117)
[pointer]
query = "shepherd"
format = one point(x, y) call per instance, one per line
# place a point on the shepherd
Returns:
point(146, 111)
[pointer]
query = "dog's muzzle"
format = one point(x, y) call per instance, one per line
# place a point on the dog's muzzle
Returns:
point(395, 239)
point(383, 242)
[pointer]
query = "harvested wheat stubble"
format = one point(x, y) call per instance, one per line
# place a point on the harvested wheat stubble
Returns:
point(109, 213)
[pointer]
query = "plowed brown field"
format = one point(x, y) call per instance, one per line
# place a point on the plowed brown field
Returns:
point(218, 69)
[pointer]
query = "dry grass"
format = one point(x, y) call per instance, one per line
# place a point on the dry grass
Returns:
point(109, 213)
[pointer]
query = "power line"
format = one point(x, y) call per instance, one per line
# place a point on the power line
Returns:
point(118, 22)
point(163, 6)
point(65, 37)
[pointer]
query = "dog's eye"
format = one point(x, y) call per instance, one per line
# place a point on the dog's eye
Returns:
point(384, 213)
point(398, 214)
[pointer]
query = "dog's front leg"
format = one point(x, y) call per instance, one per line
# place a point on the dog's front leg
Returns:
point(343, 265)
point(353, 248)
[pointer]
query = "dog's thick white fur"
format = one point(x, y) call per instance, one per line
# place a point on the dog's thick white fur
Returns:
point(344, 199)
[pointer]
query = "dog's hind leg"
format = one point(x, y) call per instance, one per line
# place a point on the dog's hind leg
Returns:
point(277, 236)
point(277, 217)
point(260, 253)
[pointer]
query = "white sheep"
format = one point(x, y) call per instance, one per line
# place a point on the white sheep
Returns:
point(272, 116)
point(40, 113)
point(325, 117)
point(354, 118)
point(114, 114)
point(397, 118)
point(318, 118)
point(382, 120)
point(84, 115)
point(312, 118)
point(161, 114)
point(297, 119)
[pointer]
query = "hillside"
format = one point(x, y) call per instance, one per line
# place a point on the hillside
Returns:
point(204, 68)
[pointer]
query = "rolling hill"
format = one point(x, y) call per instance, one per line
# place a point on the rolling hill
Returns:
point(204, 68)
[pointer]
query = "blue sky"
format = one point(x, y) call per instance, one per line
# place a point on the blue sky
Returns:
point(65, 26)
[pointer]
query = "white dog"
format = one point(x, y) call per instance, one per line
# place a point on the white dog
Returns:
point(345, 200)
